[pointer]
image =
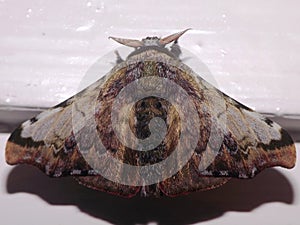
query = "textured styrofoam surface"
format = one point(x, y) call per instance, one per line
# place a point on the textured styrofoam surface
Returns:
point(251, 47)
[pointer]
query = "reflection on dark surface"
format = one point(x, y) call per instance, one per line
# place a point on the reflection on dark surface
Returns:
point(237, 195)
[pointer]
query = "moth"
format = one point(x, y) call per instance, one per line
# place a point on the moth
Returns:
point(151, 127)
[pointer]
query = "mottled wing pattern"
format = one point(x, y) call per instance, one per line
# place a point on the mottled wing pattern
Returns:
point(235, 142)
point(251, 143)
point(48, 142)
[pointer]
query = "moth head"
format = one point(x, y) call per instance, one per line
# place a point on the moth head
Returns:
point(149, 41)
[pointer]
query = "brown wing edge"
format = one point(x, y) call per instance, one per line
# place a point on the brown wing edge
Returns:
point(64, 162)
point(247, 165)
point(26, 151)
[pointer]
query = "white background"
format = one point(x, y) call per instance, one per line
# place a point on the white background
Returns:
point(252, 48)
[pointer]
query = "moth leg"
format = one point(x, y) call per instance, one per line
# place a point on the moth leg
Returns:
point(175, 49)
point(119, 58)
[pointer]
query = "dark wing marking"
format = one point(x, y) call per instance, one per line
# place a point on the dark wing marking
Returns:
point(47, 141)
point(250, 143)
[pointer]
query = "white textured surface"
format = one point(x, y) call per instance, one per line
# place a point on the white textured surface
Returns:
point(252, 48)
